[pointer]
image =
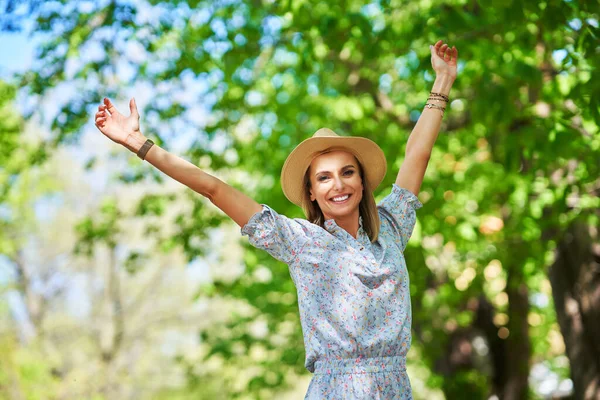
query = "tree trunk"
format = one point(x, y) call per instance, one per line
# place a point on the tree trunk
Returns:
point(575, 280)
point(518, 346)
point(484, 322)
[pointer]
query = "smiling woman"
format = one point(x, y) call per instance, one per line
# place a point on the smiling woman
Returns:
point(336, 188)
point(346, 260)
point(348, 266)
point(328, 166)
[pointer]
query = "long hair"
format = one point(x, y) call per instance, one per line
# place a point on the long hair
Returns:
point(367, 207)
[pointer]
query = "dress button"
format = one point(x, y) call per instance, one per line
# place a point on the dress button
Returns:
point(362, 248)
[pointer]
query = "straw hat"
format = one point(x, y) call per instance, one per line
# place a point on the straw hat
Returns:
point(368, 153)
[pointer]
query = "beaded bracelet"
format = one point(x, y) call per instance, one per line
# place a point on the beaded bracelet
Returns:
point(437, 98)
point(442, 109)
point(443, 96)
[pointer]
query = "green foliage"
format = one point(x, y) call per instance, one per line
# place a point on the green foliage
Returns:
point(11, 124)
point(470, 384)
point(103, 231)
point(516, 161)
point(23, 374)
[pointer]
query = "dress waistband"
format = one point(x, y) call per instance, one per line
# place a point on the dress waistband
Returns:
point(359, 365)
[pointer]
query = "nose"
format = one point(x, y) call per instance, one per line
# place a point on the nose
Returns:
point(338, 183)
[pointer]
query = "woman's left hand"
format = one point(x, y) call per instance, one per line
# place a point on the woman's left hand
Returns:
point(443, 59)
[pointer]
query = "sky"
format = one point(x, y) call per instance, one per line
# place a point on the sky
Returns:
point(17, 53)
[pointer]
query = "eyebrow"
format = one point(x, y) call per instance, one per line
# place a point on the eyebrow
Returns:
point(341, 169)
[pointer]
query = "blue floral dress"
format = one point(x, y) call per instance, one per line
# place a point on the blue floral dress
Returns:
point(353, 297)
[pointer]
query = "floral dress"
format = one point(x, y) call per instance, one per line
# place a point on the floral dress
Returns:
point(353, 297)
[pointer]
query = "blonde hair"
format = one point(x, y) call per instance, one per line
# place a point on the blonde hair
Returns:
point(367, 207)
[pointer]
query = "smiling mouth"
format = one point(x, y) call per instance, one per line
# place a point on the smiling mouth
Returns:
point(340, 199)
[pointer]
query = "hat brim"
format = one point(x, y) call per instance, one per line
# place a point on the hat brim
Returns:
point(367, 152)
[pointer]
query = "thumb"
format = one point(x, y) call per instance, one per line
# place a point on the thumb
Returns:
point(433, 52)
point(133, 108)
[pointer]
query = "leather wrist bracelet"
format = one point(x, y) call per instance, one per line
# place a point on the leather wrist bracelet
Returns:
point(144, 149)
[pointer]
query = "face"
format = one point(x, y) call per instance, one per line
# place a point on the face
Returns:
point(336, 184)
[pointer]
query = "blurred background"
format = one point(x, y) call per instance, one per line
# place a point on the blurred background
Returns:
point(119, 283)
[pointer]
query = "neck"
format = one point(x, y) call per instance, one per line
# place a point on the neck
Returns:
point(349, 223)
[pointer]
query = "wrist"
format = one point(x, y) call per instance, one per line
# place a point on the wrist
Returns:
point(443, 83)
point(134, 141)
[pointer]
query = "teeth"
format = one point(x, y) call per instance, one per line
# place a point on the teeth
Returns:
point(341, 198)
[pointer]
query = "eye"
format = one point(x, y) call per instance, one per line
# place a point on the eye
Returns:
point(322, 178)
point(349, 172)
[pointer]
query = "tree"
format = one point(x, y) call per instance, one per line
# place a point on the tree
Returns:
point(516, 165)
point(91, 307)
point(22, 372)
point(575, 279)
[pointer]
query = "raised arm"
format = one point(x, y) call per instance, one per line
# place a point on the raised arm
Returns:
point(424, 134)
point(126, 131)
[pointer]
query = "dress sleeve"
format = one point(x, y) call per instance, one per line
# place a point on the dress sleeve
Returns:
point(278, 235)
point(398, 212)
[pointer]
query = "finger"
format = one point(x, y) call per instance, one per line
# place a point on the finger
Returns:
point(448, 54)
point(133, 108)
point(109, 106)
point(442, 50)
point(100, 114)
point(433, 50)
point(455, 53)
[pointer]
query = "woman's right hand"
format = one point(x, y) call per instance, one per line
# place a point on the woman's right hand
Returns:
point(115, 125)
point(126, 131)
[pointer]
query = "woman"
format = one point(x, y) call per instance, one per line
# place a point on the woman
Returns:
point(347, 259)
